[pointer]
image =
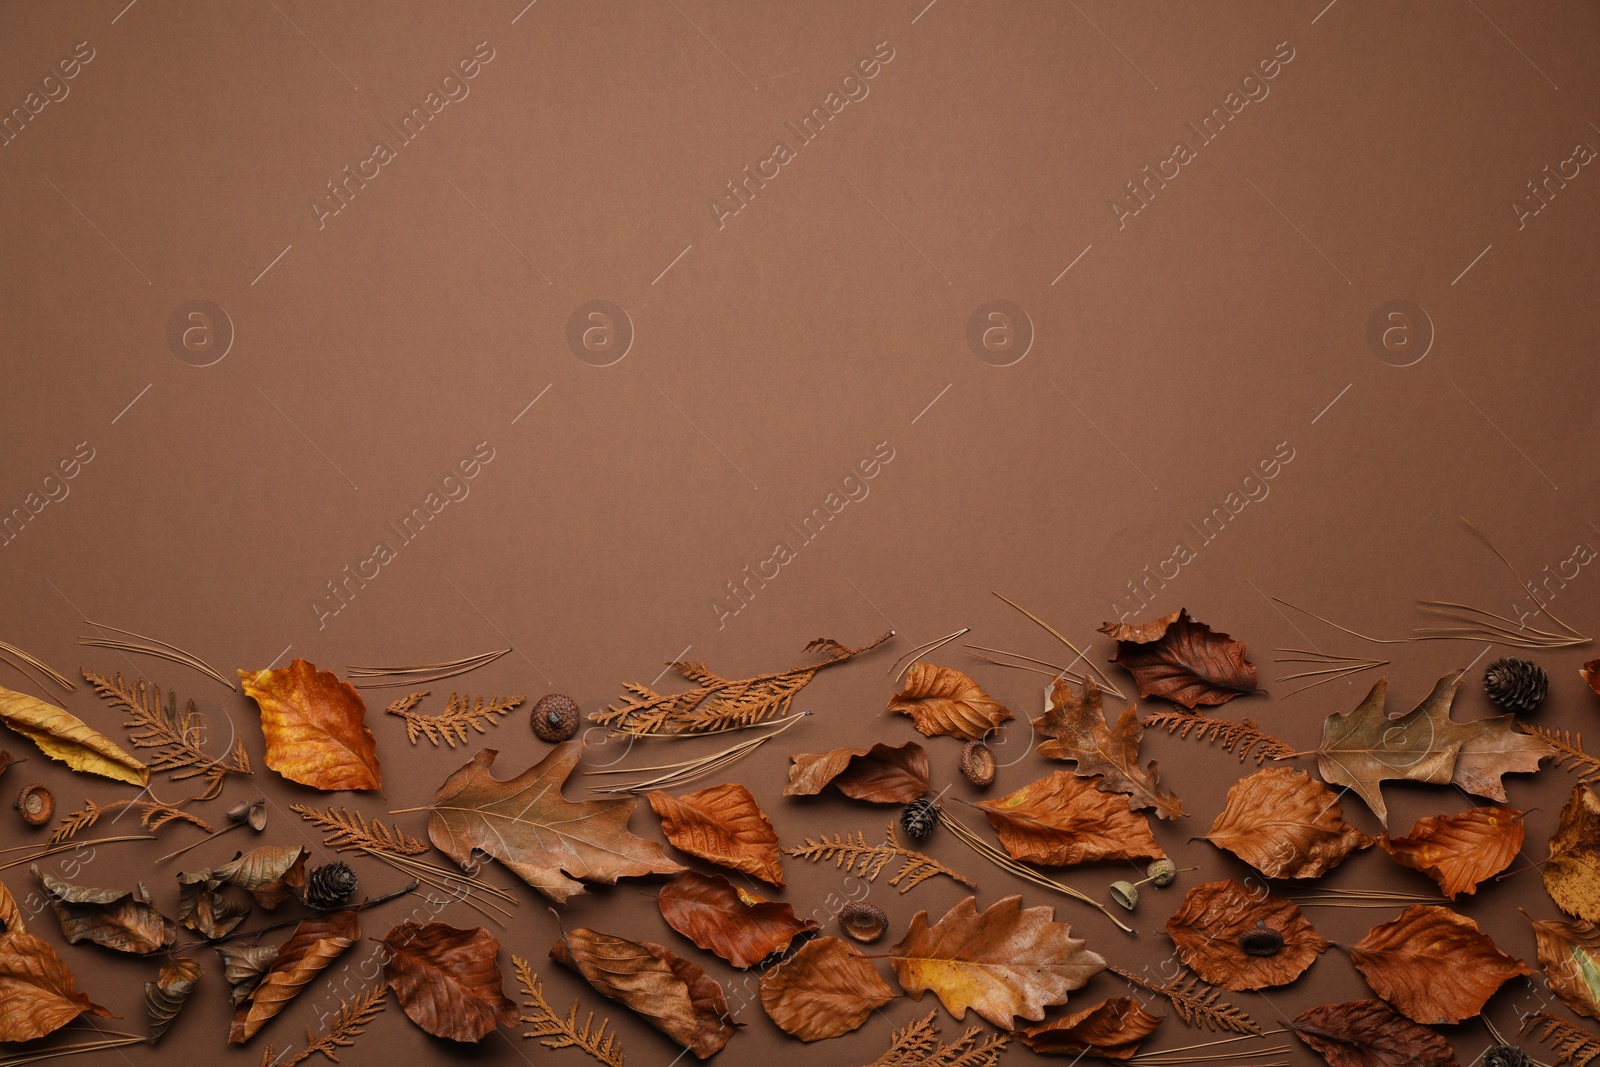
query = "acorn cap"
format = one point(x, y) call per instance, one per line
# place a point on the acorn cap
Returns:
point(977, 763)
point(36, 804)
point(863, 921)
point(1126, 894)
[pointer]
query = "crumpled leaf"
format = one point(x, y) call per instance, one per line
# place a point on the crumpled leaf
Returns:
point(1181, 660)
point(722, 825)
point(824, 990)
point(1460, 851)
point(1007, 961)
point(673, 995)
point(448, 980)
point(942, 700)
point(1061, 820)
point(1433, 965)
point(316, 942)
point(120, 919)
point(1572, 873)
point(1570, 954)
point(1076, 726)
point(1214, 917)
point(204, 909)
point(63, 736)
point(546, 840)
point(37, 994)
point(1111, 1030)
point(315, 727)
point(879, 775)
point(165, 997)
point(270, 874)
point(1369, 1033)
point(1591, 674)
point(1285, 824)
point(244, 966)
point(739, 926)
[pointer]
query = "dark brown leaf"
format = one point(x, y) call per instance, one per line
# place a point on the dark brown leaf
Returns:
point(824, 990)
point(316, 942)
point(1433, 965)
point(166, 996)
point(1111, 1030)
point(1369, 1033)
point(448, 980)
point(722, 825)
point(1184, 661)
point(1459, 851)
point(739, 926)
point(879, 775)
point(1076, 726)
point(942, 700)
point(1061, 820)
point(1239, 938)
point(1285, 824)
point(120, 919)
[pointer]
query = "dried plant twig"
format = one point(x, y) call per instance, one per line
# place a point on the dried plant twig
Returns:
point(868, 861)
point(1197, 1004)
point(1572, 1044)
point(176, 736)
point(556, 1032)
point(348, 1024)
point(7, 651)
point(153, 815)
point(917, 1045)
point(1569, 751)
point(1243, 739)
point(153, 647)
point(347, 831)
point(451, 724)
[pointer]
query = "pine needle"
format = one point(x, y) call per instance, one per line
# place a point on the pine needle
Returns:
point(153, 647)
point(37, 664)
point(175, 736)
point(917, 1045)
point(451, 724)
point(924, 649)
point(436, 671)
point(556, 1032)
point(348, 1024)
point(1244, 739)
point(1105, 683)
point(51, 850)
point(1197, 1004)
point(868, 861)
point(69, 1050)
point(679, 774)
point(1572, 1044)
point(1569, 751)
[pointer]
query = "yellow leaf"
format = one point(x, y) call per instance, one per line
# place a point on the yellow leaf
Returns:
point(63, 736)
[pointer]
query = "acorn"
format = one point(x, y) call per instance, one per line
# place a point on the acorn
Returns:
point(329, 886)
point(919, 817)
point(863, 921)
point(977, 763)
point(36, 805)
point(555, 717)
point(1261, 940)
point(252, 812)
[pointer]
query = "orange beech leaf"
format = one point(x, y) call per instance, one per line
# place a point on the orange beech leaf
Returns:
point(1061, 820)
point(878, 775)
point(1572, 873)
point(824, 990)
point(1077, 728)
point(1459, 851)
point(1369, 1033)
point(1239, 938)
point(942, 700)
point(315, 727)
point(1181, 660)
point(316, 942)
point(722, 825)
point(1111, 1030)
point(1433, 965)
point(1002, 963)
point(1285, 824)
point(1570, 953)
point(448, 980)
point(120, 919)
point(742, 928)
point(37, 993)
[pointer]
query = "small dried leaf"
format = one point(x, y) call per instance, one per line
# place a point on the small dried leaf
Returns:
point(878, 775)
point(740, 927)
point(120, 919)
point(1184, 661)
point(1369, 1033)
point(1111, 1030)
point(1591, 674)
point(824, 990)
point(270, 874)
point(1285, 824)
point(1076, 726)
point(448, 980)
point(203, 908)
point(243, 966)
point(1570, 953)
point(1061, 820)
point(63, 736)
point(316, 942)
point(942, 700)
point(1216, 917)
point(1460, 851)
point(315, 727)
point(1433, 965)
point(722, 825)
point(165, 997)
point(37, 994)
point(1572, 873)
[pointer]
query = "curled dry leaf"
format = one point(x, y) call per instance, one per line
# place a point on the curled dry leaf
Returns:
point(37, 993)
point(824, 990)
point(1433, 965)
point(1076, 726)
point(1002, 963)
point(942, 700)
point(1111, 1030)
point(63, 736)
point(1181, 660)
point(1569, 953)
point(1591, 674)
point(244, 966)
point(316, 942)
point(448, 980)
point(1572, 873)
point(742, 928)
point(1238, 938)
point(1460, 851)
point(315, 727)
point(203, 908)
point(673, 995)
point(722, 825)
point(548, 841)
point(879, 775)
point(270, 874)
point(1061, 820)
point(1285, 824)
point(1369, 1033)
point(120, 919)
point(165, 997)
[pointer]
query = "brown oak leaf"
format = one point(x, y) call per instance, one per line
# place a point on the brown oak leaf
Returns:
point(448, 980)
point(315, 727)
point(1002, 963)
point(1570, 954)
point(271, 874)
point(942, 700)
point(37, 993)
point(1459, 851)
point(316, 942)
point(1369, 1033)
point(1077, 728)
point(1239, 938)
point(1111, 1030)
point(673, 995)
point(879, 775)
point(1572, 873)
point(1285, 824)
point(551, 843)
point(120, 919)
point(722, 825)
point(825, 990)
point(1181, 660)
point(1433, 965)
point(739, 926)
point(1061, 820)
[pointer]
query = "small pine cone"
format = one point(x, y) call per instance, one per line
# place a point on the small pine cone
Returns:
point(1507, 1056)
point(1517, 685)
point(919, 818)
point(329, 886)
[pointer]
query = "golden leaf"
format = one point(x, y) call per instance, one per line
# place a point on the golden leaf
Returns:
point(315, 727)
point(63, 736)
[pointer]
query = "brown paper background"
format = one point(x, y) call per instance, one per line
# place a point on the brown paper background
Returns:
point(829, 315)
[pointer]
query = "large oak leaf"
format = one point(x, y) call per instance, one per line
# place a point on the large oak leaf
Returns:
point(942, 700)
point(1369, 1033)
point(722, 825)
point(37, 993)
point(1570, 954)
point(120, 919)
point(549, 842)
point(1077, 728)
point(1459, 851)
point(316, 942)
point(742, 928)
point(879, 775)
point(1285, 824)
point(1240, 939)
point(1572, 873)
point(1061, 820)
point(315, 727)
point(63, 736)
point(824, 990)
point(448, 980)
point(1111, 1030)
point(1181, 660)
point(1433, 965)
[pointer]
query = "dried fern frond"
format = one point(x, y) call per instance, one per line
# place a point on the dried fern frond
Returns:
point(1198, 1004)
point(348, 1024)
point(868, 861)
point(1569, 751)
point(1241, 738)
point(917, 1045)
point(450, 725)
point(153, 814)
point(556, 1032)
point(175, 736)
point(719, 703)
point(349, 831)
point(1572, 1044)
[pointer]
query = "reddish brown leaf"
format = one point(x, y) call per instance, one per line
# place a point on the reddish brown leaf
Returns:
point(1459, 851)
point(1184, 661)
point(37, 994)
point(271, 874)
point(824, 990)
point(1369, 1033)
point(740, 927)
point(315, 726)
point(316, 942)
point(1141, 633)
point(1591, 674)
point(1570, 953)
point(1239, 938)
point(1285, 824)
point(1111, 1030)
point(1572, 873)
point(1076, 726)
point(722, 825)
point(448, 980)
point(1433, 965)
point(120, 919)
point(942, 700)
point(879, 775)
point(1061, 820)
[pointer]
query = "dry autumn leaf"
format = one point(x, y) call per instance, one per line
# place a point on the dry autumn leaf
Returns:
point(1239, 939)
point(63, 736)
point(1433, 965)
point(942, 700)
point(120, 919)
point(37, 994)
point(1181, 660)
point(315, 727)
point(244, 966)
point(166, 996)
point(1459, 851)
point(1591, 674)
point(316, 942)
point(1369, 1033)
point(1285, 824)
point(1061, 820)
point(1002, 963)
point(270, 874)
point(448, 980)
point(1572, 873)
point(1076, 726)
point(202, 907)
point(722, 825)
point(824, 990)
point(1570, 954)
point(879, 775)
point(1111, 1030)
point(673, 995)
point(742, 928)
point(549, 842)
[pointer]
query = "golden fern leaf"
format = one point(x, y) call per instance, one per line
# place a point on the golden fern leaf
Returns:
point(1241, 738)
point(1572, 1044)
point(450, 725)
point(556, 1032)
point(348, 1024)
point(917, 1045)
point(347, 831)
point(1196, 1003)
point(1569, 751)
point(868, 861)
point(176, 736)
